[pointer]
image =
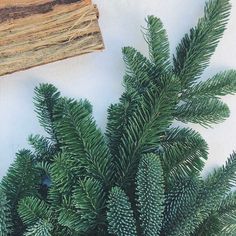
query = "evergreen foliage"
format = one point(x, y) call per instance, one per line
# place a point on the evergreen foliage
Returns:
point(120, 215)
point(40, 229)
point(196, 48)
point(22, 179)
point(5, 215)
point(150, 194)
point(143, 176)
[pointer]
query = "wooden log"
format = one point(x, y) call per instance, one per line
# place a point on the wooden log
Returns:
point(36, 32)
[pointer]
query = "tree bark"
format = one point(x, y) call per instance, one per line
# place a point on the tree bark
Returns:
point(36, 32)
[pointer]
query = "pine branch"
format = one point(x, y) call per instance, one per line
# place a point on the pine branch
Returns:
point(89, 200)
point(210, 227)
point(64, 231)
point(5, 215)
point(158, 44)
point(229, 224)
point(228, 204)
point(202, 110)
point(142, 134)
point(44, 150)
point(120, 217)
point(196, 48)
point(180, 197)
point(221, 84)
point(33, 210)
point(217, 223)
point(83, 141)
point(139, 77)
point(209, 198)
point(41, 228)
point(45, 100)
point(63, 174)
point(22, 179)
point(183, 153)
point(118, 117)
point(150, 194)
point(137, 70)
point(70, 218)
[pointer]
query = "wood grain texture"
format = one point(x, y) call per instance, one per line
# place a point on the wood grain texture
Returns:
point(37, 32)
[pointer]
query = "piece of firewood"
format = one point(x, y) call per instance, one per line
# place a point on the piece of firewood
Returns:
point(36, 32)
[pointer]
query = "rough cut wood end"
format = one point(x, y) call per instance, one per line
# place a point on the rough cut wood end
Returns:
point(36, 32)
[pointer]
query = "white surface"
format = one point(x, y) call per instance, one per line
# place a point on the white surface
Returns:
point(98, 76)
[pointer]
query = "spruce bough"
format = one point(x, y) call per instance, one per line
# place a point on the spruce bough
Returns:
point(143, 176)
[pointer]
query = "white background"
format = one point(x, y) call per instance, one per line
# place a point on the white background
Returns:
point(98, 76)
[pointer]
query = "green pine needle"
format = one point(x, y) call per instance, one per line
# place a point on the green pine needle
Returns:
point(45, 100)
point(32, 210)
point(89, 200)
point(120, 217)
point(143, 131)
point(82, 139)
point(202, 110)
point(183, 153)
point(180, 196)
point(41, 228)
point(158, 44)
point(221, 84)
point(209, 198)
point(150, 194)
point(5, 215)
point(64, 179)
point(196, 48)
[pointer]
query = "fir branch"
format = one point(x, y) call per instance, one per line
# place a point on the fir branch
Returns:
point(45, 100)
point(54, 196)
point(89, 200)
point(150, 194)
point(142, 134)
point(44, 150)
point(120, 217)
point(217, 223)
point(202, 110)
point(180, 196)
point(82, 165)
point(196, 48)
point(62, 174)
point(32, 210)
point(135, 82)
point(221, 84)
point(118, 118)
point(228, 204)
point(158, 44)
point(83, 141)
point(41, 228)
point(224, 177)
point(139, 74)
point(209, 198)
point(71, 219)
point(183, 153)
point(137, 70)
point(5, 215)
point(22, 179)
point(228, 222)
point(210, 227)
point(64, 231)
